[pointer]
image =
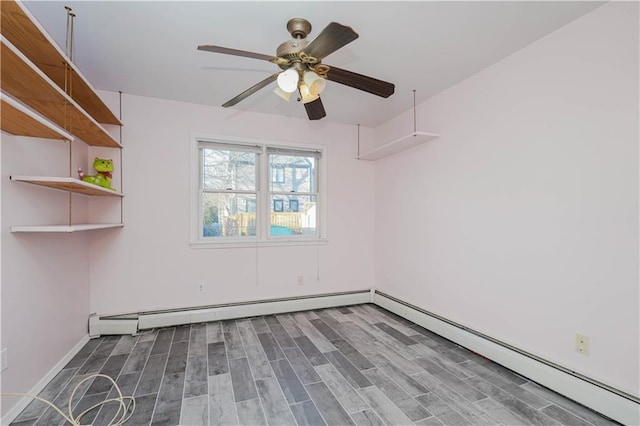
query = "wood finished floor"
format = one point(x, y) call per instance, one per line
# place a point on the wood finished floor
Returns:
point(357, 365)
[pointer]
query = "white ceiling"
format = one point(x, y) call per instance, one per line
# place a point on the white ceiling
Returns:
point(149, 47)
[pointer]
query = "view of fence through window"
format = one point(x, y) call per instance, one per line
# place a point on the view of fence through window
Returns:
point(292, 190)
point(230, 184)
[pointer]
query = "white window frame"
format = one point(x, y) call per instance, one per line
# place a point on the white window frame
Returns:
point(262, 237)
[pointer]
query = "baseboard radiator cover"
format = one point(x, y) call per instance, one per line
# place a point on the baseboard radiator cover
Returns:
point(22, 403)
point(610, 402)
point(132, 323)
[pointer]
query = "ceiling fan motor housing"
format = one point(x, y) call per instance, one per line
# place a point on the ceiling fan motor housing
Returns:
point(289, 50)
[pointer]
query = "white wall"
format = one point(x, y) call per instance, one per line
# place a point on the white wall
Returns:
point(45, 278)
point(521, 221)
point(150, 265)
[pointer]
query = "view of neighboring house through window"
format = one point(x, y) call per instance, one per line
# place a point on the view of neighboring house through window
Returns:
point(237, 201)
point(293, 191)
point(277, 173)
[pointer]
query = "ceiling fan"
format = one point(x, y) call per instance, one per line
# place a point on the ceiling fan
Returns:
point(302, 67)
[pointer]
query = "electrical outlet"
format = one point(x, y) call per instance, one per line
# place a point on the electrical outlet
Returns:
point(200, 287)
point(582, 344)
point(3, 360)
point(300, 279)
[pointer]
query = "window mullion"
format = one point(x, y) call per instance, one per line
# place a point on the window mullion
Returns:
point(294, 192)
point(228, 191)
point(289, 193)
point(319, 201)
point(263, 185)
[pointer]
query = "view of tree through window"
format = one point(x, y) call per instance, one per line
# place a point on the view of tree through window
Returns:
point(229, 191)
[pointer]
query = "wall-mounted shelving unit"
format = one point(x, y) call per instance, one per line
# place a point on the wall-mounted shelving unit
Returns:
point(45, 96)
point(411, 140)
point(401, 144)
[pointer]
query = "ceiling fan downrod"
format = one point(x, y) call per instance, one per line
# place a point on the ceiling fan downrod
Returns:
point(298, 28)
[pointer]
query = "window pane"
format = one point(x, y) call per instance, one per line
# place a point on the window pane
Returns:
point(277, 174)
point(293, 215)
point(292, 173)
point(228, 215)
point(228, 170)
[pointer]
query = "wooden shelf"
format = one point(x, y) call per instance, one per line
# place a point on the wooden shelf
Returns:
point(405, 142)
point(65, 228)
point(44, 95)
point(68, 184)
point(23, 31)
point(23, 80)
point(20, 120)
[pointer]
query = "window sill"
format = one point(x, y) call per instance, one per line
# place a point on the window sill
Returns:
point(276, 242)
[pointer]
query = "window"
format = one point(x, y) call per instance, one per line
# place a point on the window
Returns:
point(228, 189)
point(256, 193)
point(294, 205)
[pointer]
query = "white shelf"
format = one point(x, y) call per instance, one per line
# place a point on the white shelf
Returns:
point(405, 142)
point(68, 184)
point(66, 228)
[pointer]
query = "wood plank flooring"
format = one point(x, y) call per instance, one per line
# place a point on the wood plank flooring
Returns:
point(357, 365)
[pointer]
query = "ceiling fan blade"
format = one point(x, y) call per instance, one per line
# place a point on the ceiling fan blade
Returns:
point(236, 52)
point(315, 109)
point(333, 37)
point(361, 82)
point(250, 91)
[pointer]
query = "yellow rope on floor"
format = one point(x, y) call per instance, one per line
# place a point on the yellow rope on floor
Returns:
point(118, 418)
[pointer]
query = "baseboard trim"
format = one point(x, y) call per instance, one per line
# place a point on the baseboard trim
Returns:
point(22, 403)
point(595, 396)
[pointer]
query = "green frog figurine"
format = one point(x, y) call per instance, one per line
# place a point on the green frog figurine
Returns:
point(104, 168)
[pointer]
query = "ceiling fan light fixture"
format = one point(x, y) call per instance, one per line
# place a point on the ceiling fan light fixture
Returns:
point(288, 80)
point(284, 95)
point(314, 82)
point(306, 95)
point(301, 67)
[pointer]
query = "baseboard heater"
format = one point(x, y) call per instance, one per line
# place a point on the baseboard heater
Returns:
point(134, 322)
point(611, 402)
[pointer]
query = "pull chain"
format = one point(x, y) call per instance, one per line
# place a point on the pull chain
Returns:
point(358, 140)
point(415, 127)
